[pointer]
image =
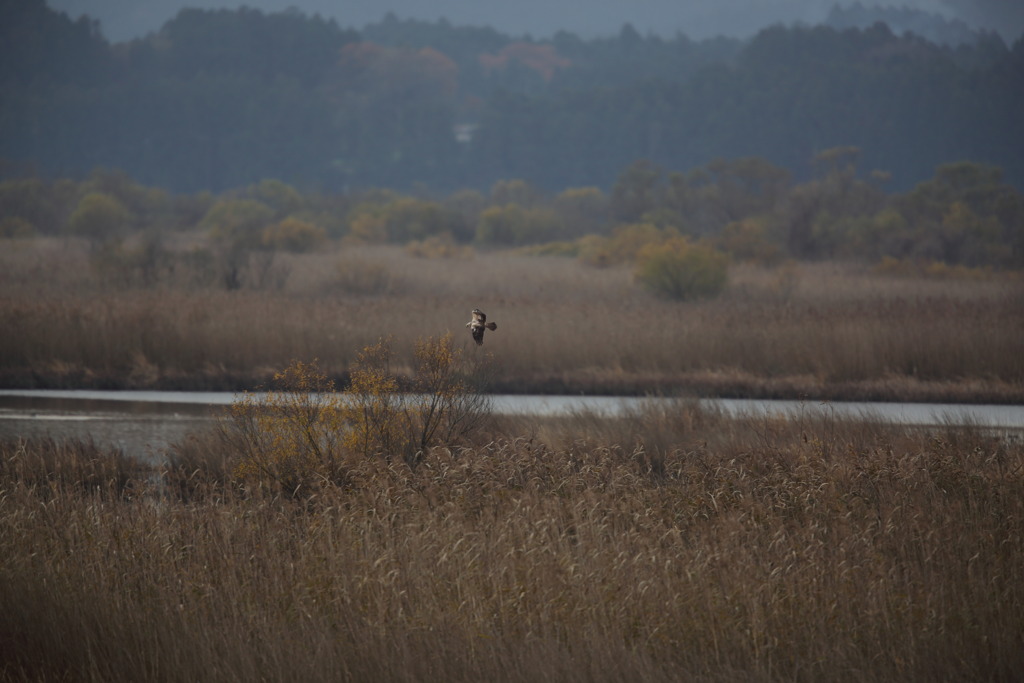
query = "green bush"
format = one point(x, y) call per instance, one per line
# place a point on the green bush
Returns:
point(750, 240)
point(142, 263)
point(624, 245)
point(294, 235)
point(511, 224)
point(15, 227)
point(682, 270)
point(398, 220)
point(237, 223)
point(99, 217)
point(438, 246)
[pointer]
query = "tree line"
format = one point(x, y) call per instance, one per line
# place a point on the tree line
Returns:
point(749, 209)
point(218, 99)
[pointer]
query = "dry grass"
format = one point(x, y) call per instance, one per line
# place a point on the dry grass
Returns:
point(812, 330)
point(670, 544)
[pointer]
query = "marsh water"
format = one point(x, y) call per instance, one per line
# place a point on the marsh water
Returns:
point(144, 423)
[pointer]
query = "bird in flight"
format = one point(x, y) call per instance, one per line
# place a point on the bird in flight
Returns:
point(477, 325)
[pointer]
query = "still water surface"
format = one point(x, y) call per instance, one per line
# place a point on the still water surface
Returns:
point(144, 423)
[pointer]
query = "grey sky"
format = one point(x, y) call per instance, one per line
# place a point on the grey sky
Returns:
point(126, 19)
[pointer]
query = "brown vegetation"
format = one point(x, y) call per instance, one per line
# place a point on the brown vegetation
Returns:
point(669, 544)
point(814, 330)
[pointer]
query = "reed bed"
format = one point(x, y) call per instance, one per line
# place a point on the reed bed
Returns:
point(819, 330)
point(670, 544)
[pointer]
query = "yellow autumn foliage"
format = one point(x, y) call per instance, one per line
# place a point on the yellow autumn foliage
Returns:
point(300, 432)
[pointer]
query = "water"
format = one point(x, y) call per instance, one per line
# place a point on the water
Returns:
point(144, 423)
point(142, 429)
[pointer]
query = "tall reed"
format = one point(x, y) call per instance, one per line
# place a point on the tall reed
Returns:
point(812, 330)
point(668, 544)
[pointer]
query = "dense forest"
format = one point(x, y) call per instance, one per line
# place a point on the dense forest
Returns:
point(222, 99)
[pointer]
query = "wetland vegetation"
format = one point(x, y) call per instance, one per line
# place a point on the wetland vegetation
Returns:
point(818, 330)
point(728, 280)
point(409, 532)
point(666, 544)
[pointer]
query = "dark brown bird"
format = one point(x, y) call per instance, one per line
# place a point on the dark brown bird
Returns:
point(477, 325)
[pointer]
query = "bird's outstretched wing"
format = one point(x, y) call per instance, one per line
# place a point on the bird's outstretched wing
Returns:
point(478, 324)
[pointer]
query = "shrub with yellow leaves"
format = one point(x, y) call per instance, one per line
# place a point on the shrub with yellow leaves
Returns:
point(442, 406)
point(298, 434)
point(289, 436)
point(682, 270)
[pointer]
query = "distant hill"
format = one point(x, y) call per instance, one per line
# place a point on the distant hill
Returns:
point(933, 27)
point(125, 20)
point(223, 98)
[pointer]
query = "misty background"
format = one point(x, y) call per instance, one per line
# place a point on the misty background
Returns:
point(449, 95)
point(126, 19)
point(768, 131)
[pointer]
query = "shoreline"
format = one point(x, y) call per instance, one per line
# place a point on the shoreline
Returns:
point(892, 389)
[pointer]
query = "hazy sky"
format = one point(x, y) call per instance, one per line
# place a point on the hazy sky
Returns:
point(126, 19)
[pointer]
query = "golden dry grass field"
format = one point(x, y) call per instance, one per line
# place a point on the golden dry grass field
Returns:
point(669, 544)
point(673, 542)
point(820, 330)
